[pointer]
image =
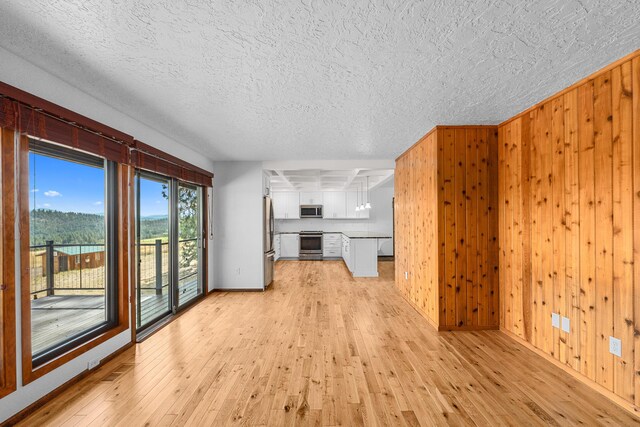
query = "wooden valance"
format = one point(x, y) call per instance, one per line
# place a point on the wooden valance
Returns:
point(149, 158)
point(39, 118)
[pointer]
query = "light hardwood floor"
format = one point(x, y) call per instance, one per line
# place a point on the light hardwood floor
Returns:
point(322, 348)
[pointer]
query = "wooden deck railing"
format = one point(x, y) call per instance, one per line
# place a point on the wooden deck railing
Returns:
point(73, 268)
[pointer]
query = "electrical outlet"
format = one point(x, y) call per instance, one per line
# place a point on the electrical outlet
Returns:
point(406, 275)
point(555, 320)
point(615, 346)
point(566, 324)
point(93, 364)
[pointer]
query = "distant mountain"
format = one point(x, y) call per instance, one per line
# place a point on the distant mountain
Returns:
point(84, 228)
point(151, 217)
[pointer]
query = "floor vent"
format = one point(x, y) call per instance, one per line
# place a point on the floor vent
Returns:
point(116, 373)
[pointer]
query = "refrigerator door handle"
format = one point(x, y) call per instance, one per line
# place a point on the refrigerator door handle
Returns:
point(273, 224)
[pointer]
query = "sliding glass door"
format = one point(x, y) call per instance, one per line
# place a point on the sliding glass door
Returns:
point(189, 243)
point(169, 246)
point(153, 294)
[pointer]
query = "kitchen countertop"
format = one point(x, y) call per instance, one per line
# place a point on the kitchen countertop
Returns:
point(365, 235)
point(349, 234)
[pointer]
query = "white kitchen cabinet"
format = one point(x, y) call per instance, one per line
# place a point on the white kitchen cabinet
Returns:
point(351, 203)
point(286, 205)
point(289, 245)
point(346, 252)
point(332, 245)
point(276, 247)
point(311, 198)
point(361, 256)
point(335, 203)
point(354, 198)
point(279, 201)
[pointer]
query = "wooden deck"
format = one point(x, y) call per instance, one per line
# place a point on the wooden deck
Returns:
point(322, 348)
point(58, 317)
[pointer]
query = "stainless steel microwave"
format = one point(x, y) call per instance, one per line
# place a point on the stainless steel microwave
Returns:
point(310, 211)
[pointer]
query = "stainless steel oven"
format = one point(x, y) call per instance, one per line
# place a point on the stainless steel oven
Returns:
point(310, 245)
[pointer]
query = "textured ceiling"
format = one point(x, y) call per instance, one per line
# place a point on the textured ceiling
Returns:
point(311, 79)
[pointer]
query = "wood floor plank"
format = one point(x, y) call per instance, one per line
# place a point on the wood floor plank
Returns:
point(322, 348)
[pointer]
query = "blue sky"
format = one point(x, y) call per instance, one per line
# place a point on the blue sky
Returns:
point(71, 187)
point(65, 186)
point(151, 200)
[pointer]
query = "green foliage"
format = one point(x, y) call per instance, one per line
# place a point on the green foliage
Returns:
point(65, 227)
point(188, 225)
point(83, 228)
point(154, 228)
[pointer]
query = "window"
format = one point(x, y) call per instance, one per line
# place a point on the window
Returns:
point(72, 212)
point(170, 231)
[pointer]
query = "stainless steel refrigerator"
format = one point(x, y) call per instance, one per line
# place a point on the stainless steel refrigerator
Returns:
point(267, 240)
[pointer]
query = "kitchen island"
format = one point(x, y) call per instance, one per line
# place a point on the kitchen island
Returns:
point(358, 249)
point(360, 252)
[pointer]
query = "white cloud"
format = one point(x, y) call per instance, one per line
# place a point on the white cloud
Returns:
point(52, 193)
point(98, 203)
point(46, 205)
point(35, 190)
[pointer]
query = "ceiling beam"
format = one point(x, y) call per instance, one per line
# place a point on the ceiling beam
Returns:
point(382, 181)
point(329, 164)
point(351, 178)
point(284, 177)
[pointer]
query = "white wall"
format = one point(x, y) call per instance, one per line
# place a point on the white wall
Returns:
point(380, 219)
point(26, 76)
point(237, 212)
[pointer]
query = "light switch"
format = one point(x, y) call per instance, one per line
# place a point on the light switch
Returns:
point(566, 324)
point(555, 320)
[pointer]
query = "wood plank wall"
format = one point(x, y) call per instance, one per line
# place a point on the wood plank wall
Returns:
point(467, 179)
point(416, 251)
point(446, 227)
point(569, 193)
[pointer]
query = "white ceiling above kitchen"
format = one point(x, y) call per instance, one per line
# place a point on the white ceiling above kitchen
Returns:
point(309, 79)
point(328, 180)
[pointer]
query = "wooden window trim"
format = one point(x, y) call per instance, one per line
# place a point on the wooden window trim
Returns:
point(62, 113)
point(156, 161)
point(29, 373)
point(7, 264)
point(155, 152)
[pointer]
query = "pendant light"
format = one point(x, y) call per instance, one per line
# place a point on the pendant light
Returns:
point(362, 205)
point(368, 205)
point(357, 201)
